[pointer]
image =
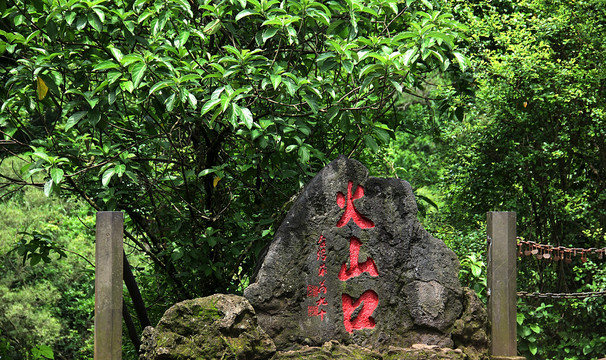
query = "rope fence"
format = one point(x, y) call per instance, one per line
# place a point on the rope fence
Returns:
point(557, 253)
point(577, 295)
point(503, 247)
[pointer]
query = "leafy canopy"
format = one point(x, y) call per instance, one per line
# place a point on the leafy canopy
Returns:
point(200, 119)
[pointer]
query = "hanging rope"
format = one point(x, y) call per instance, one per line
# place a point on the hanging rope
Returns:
point(556, 253)
point(579, 295)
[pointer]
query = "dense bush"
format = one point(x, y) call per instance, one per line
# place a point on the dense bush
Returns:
point(46, 303)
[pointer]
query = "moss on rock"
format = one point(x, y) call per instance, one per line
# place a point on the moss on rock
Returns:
point(214, 327)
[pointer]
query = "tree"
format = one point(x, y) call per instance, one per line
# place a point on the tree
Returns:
point(534, 142)
point(46, 303)
point(201, 119)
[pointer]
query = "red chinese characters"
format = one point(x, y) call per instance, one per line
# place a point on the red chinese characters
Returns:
point(369, 300)
point(316, 290)
point(356, 268)
point(350, 210)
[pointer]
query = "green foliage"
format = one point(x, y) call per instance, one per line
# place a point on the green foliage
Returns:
point(564, 328)
point(473, 274)
point(533, 142)
point(201, 119)
point(46, 306)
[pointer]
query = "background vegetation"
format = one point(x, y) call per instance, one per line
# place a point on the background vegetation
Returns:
point(201, 120)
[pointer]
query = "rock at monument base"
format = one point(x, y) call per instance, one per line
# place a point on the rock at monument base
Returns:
point(470, 331)
point(351, 262)
point(225, 327)
point(215, 327)
point(333, 350)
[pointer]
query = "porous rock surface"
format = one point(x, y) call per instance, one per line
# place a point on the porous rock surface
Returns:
point(224, 327)
point(416, 289)
point(214, 327)
point(334, 350)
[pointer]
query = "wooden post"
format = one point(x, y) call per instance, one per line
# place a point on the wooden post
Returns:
point(502, 272)
point(108, 285)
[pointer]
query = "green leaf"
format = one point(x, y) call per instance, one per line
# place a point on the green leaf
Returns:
point(382, 134)
point(441, 36)
point(520, 318)
point(112, 76)
point(192, 100)
point(209, 105)
point(333, 112)
point(313, 104)
point(232, 115)
point(275, 80)
point(348, 65)
point(43, 350)
point(533, 348)
point(131, 58)
point(408, 55)
point(185, 5)
point(116, 53)
point(244, 13)
point(170, 102)
point(247, 117)
point(107, 176)
point(34, 259)
point(269, 33)
point(206, 172)
point(212, 27)
point(111, 96)
point(108, 64)
point(127, 86)
point(95, 21)
point(137, 72)
point(428, 4)
point(476, 270)
point(48, 188)
point(371, 143)
point(304, 154)
point(74, 119)
point(120, 169)
point(461, 60)
point(290, 86)
point(57, 175)
point(160, 85)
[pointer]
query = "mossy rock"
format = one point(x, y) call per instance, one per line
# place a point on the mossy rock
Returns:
point(334, 350)
point(215, 327)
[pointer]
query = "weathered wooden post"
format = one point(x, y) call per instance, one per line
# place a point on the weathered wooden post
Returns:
point(502, 272)
point(108, 285)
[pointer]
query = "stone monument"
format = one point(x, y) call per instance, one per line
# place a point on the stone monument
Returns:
point(351, 263)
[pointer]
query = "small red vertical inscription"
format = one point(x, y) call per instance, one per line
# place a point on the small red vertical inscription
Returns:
point(316, 290)
point(356, 268)
point(350, 210)
point(312, 291)
point(321, 254)
point(322, 270)
point(316, 311)
point(322, 288)
point(369, 301)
